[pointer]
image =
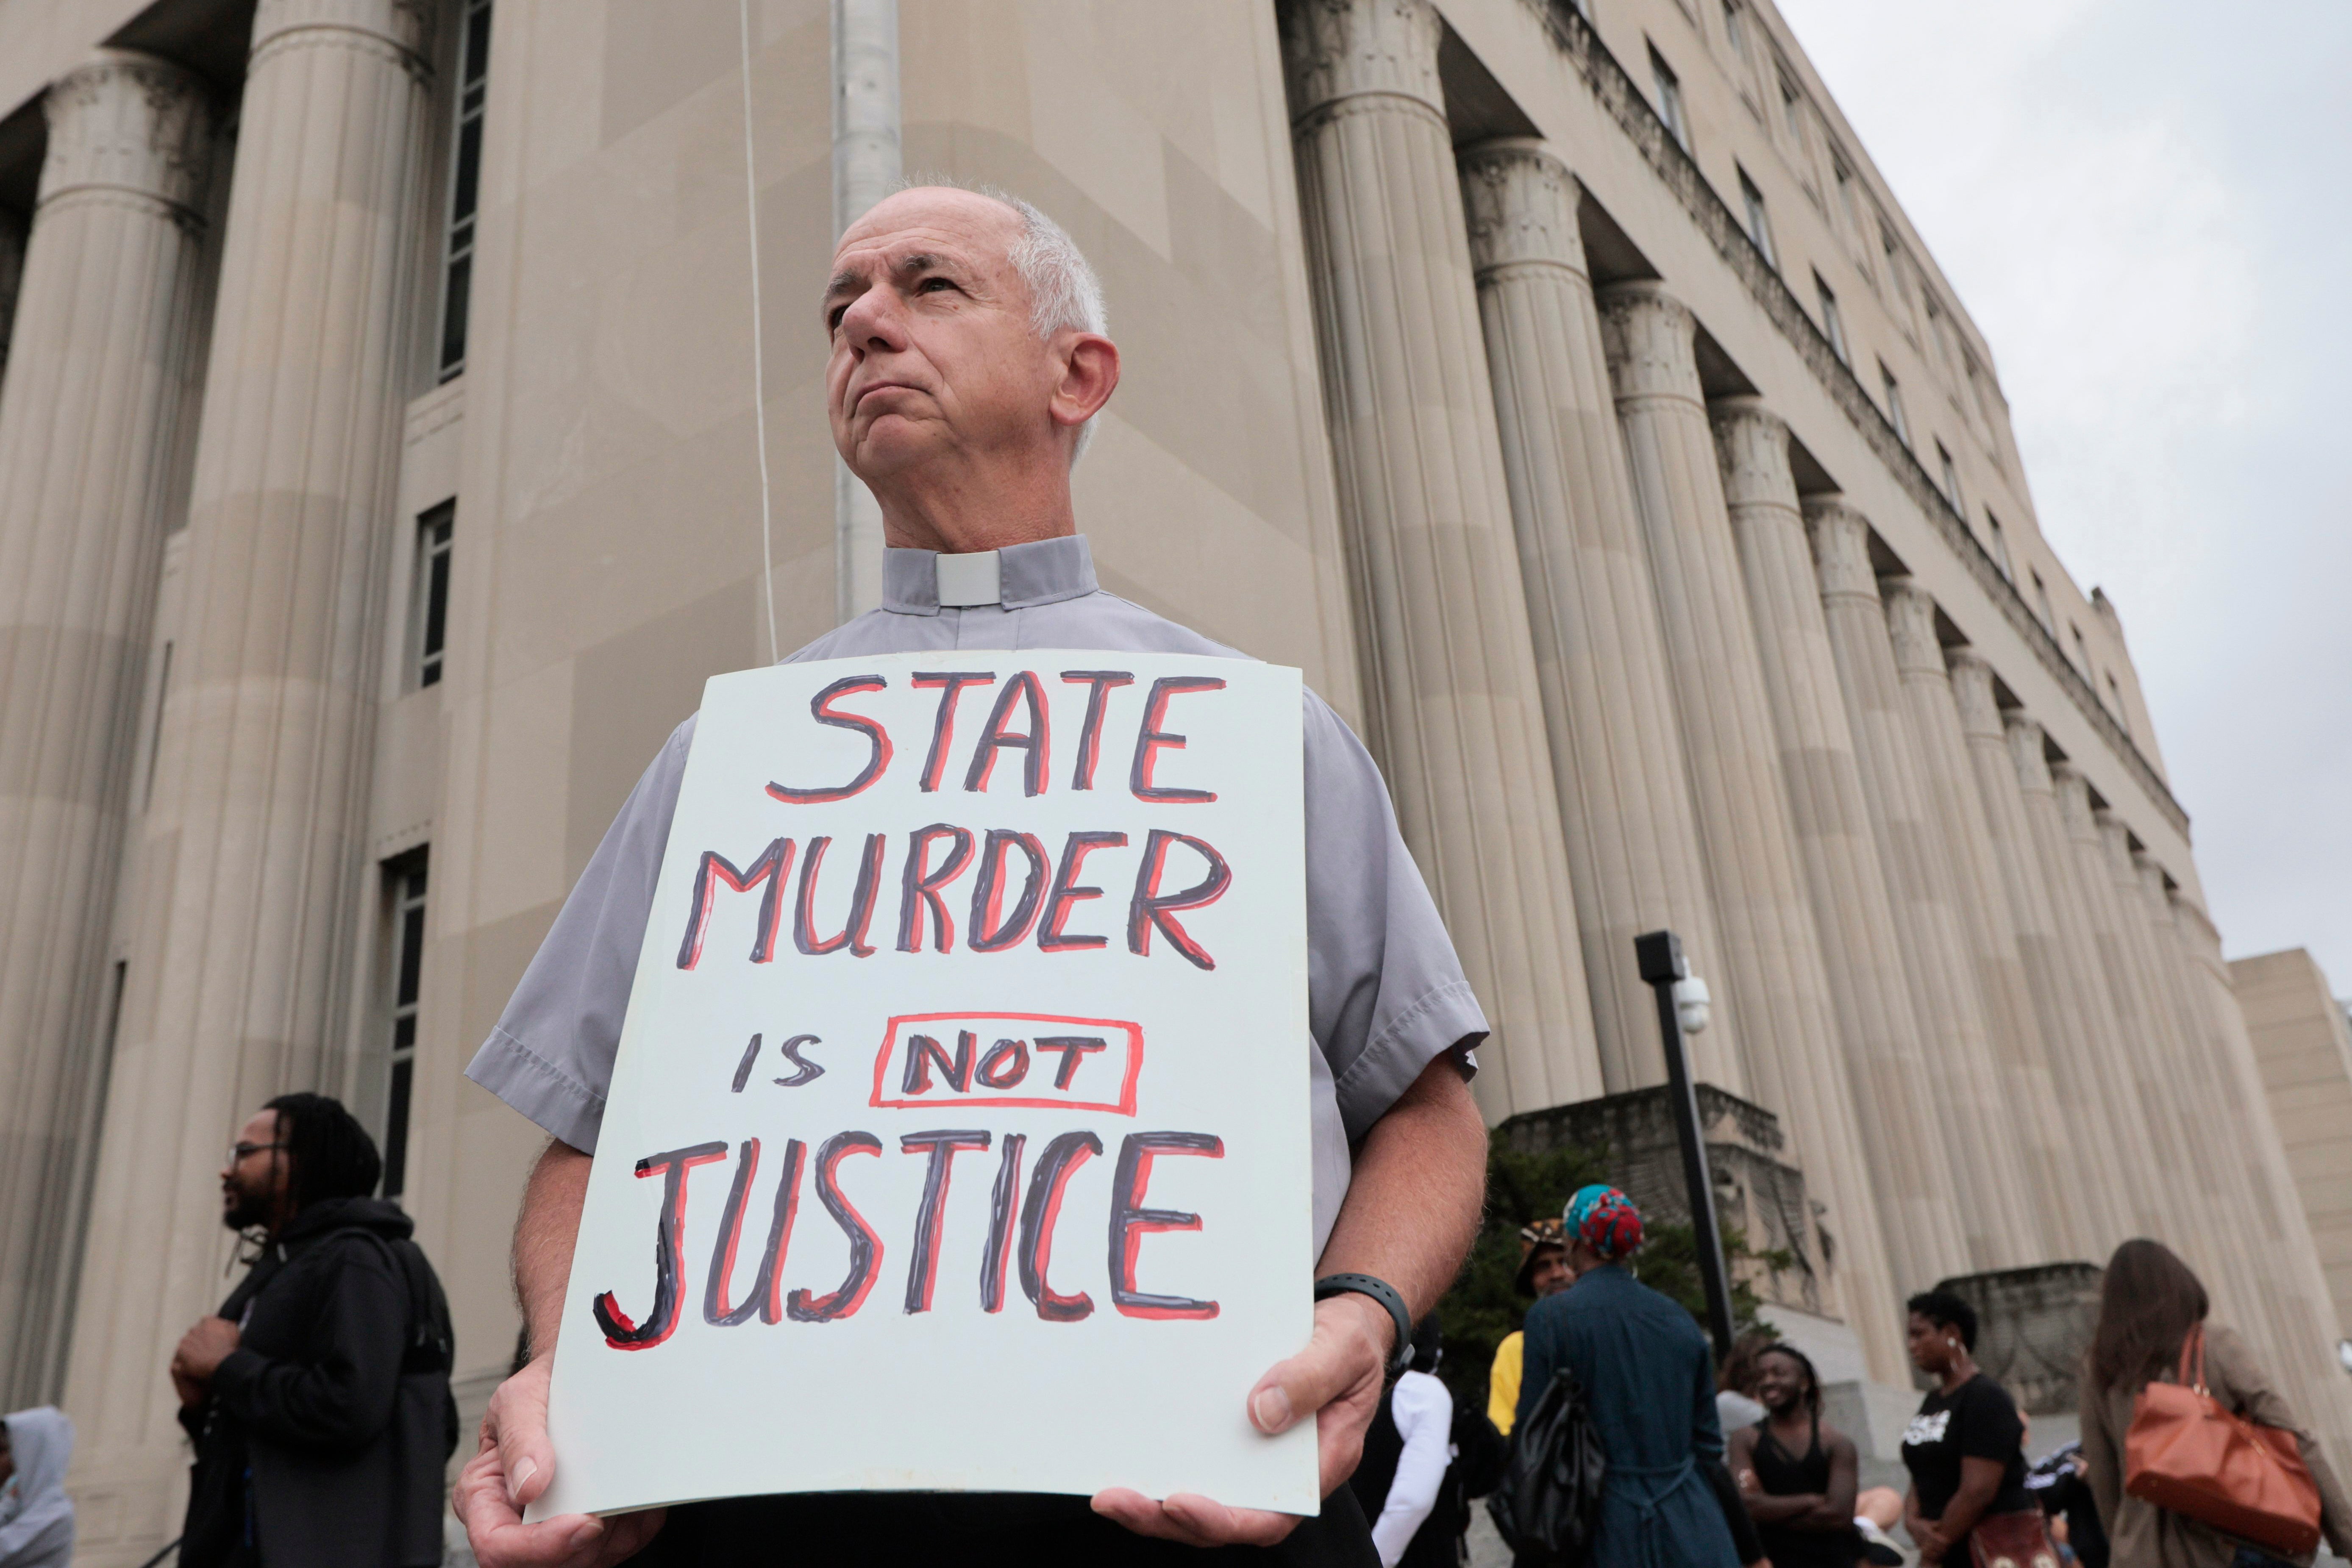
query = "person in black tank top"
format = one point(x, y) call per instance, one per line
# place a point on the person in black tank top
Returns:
point(1796, 1472)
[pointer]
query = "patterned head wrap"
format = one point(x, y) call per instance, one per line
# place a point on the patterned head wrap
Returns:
point(1605, 1220)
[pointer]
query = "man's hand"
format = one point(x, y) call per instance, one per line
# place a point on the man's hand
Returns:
point(202, 1349)
point(1337, 1379)
point(512, 1469)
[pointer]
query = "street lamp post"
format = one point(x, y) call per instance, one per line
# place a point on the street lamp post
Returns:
point(1682, 1006)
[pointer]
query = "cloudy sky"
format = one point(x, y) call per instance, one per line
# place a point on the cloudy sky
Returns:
point(2147, 206)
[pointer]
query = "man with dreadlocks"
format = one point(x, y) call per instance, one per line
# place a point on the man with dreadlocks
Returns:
point(318, 1397)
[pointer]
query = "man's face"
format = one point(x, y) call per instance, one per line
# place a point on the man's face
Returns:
point(255, 1181)
point(933, 353)
point(1780, 1383)
point(1549, 1275)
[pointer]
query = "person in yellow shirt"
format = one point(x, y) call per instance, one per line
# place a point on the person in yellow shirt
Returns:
point(1543, 1271)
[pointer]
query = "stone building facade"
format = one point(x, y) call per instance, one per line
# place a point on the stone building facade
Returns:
point(2302, 1044)
point(1557, 384)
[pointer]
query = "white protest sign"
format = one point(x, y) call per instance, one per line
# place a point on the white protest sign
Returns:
point(959, 1134)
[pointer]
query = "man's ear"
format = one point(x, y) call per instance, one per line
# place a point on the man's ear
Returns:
point(1090, 364)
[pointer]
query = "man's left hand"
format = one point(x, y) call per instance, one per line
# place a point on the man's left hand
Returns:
point(1337, 1379)
point(204, 1347)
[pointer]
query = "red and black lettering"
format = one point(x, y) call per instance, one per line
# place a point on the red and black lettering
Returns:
point(1055, 1166)
point(803, 1070)
point(1066, 891)
point(1130, 1221)
point(765, 1299)
point(919, 887)
point(821, 709)
point(923, 1267)
point(1035, 747)
point(1073, 1049)
point(1005, 1066)
point(922, 1051)
point(1100, 684)
point(1151, 908)
point(993, 930)
point(949, 687)
point(1151, 738)
point(743, 1069)
point(861, 902)
point(865, 1246)
point(772, 866)
point(1000, 1223)
point(621, 1332)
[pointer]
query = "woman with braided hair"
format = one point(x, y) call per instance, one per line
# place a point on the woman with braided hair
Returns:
point(1648, 1375)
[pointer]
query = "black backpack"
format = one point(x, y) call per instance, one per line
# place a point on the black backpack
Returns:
point(1548, 1503)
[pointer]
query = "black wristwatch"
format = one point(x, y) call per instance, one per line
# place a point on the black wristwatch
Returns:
point(1384, 1292)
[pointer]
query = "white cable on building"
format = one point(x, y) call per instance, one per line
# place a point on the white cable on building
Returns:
point(866, 166)
point(759, 342)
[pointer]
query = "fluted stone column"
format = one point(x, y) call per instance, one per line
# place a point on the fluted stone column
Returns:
point(1987, 1160)
point(1633, 851)
point(2099, 1216)
point(2140, 1168)
point(1772, 967)
point(12, 274)
point(2025, 1090)
point(2289, 1273)
point(1452, 703)
point(1895, 1095)
point(259, 803)
point(87, 429)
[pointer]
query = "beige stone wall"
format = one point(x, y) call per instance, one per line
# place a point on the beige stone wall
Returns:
point(2303, 1047)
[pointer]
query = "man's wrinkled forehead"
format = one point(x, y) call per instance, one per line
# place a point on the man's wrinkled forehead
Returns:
point(925, 228)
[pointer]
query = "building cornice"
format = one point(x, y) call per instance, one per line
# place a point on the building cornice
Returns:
point(1623, 99)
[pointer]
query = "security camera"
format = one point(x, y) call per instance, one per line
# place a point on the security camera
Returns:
point(1691, 1004)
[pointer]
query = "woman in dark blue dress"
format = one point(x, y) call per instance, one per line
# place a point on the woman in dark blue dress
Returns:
point(1650, 1378)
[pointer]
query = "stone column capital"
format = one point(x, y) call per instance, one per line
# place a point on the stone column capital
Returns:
point(131, 123)
point(2027, 749)
point(2073, 793)
point(1753, 446)
point(1840, 537)
point(1335, 50)
point(1911, 626)
point(2151, 878)
point(2116, 836)
point(1520, 201)
point(1647, 334)
point(403, 27)
point(1972, 693)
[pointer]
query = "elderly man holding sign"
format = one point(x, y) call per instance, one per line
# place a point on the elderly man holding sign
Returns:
point(942, 892)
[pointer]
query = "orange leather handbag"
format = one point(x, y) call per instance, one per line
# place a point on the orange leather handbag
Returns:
point(2185, 1453)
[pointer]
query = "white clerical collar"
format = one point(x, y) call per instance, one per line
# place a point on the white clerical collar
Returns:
point(1041, 572)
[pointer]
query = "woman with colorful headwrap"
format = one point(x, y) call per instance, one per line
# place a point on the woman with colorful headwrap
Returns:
point(1648, 1377)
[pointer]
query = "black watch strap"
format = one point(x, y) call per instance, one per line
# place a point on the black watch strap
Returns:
point(1386, 1294)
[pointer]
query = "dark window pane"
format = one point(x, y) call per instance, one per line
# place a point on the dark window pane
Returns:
point(477, 46)
point(469, 170)
point(436, 605)
point(403, 1033)
point(396, 1130)
point(453, 318)
point(412, 954)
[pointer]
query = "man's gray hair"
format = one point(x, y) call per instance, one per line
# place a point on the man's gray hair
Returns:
point(1065, 295)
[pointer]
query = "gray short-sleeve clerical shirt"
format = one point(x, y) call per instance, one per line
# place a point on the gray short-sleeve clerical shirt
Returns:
point(1385, 992)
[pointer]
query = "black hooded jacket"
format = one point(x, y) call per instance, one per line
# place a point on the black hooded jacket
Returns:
point(324, 1443)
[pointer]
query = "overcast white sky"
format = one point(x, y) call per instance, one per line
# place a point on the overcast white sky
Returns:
point(2147, 206)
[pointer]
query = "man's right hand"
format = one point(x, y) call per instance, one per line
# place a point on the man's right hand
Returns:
point(512, 1467)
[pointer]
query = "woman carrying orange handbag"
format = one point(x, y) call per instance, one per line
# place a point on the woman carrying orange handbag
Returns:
point(2151, 1308)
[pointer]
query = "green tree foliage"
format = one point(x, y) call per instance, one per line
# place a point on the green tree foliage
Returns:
point(1483, 1308)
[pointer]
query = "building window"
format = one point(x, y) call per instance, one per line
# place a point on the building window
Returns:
point(1844, 179)
point(2082, 649)
point(2042, 602)
point(2115, 699)
point(1832, 327)
point(1951, 479)
point(1670, 100)
point(1893, 403)
point(1734, 27)
point(429, 596)
point(1893, 251)
point(404, 887)
point(1936, 331)
point(156, 733)
point(1760, 226)
point(1999, 546)
point(465, 186)
point(1792, 112)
